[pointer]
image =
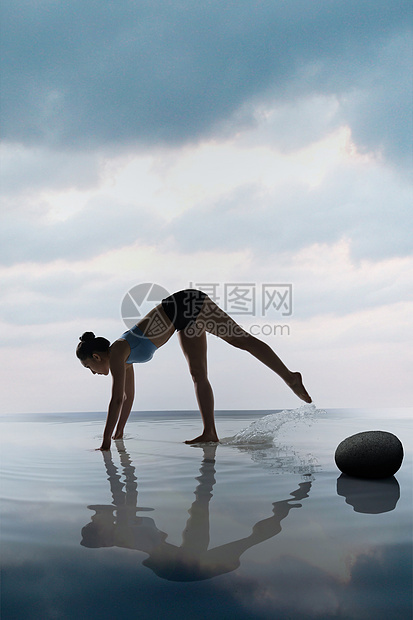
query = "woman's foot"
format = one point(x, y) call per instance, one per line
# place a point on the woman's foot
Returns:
point(296, 384)
point(204, 438)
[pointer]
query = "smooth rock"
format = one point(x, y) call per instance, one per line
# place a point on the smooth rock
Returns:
point(370, 454)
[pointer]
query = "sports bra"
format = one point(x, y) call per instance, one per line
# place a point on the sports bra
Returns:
point(141, 348)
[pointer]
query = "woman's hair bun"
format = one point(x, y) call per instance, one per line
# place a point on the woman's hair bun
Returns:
point(87, 336)
point(89, 344)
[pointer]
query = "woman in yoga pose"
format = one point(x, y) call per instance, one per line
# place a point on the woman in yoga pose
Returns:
point(191, 313)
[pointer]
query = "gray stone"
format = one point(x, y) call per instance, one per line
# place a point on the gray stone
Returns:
point(371, 454)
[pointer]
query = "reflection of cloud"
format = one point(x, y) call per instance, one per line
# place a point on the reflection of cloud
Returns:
point(49, 585)
point(380, 587)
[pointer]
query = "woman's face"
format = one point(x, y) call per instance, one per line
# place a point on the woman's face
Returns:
point(98, 364)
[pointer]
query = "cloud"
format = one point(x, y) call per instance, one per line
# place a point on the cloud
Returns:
point(102, 225)
point(235, 195)
point(86, 76)
point(372, 210)
point(25, 171)
point(379, 108)
point(216, 141)
point(51, 296)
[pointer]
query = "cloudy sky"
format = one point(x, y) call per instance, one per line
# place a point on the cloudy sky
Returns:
point(214, 143)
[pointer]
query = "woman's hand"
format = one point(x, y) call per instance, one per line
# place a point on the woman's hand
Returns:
point(118, 370)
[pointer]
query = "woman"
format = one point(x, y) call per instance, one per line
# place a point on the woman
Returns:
point(191, 313)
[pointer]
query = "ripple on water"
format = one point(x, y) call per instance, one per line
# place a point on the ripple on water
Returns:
point(24, 473)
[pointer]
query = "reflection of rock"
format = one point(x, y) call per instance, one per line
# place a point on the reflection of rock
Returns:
point(371, 454)
point(369, 496)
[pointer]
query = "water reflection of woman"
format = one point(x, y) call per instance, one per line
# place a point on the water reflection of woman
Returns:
point(193, 560)
point(191, 313)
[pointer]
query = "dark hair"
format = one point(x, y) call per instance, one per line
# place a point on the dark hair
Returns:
point(89, 344)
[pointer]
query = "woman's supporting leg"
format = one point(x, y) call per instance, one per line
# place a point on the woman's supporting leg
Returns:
point(217, 322)
point(194, 348)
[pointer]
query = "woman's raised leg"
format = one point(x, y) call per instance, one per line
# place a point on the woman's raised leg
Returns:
point(194, 347)
point(217, 322)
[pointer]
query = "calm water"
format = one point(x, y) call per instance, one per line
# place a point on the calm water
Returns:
point(260, 526)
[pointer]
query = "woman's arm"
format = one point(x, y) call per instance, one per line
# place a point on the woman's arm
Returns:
point(127, 403)
point(118, 371)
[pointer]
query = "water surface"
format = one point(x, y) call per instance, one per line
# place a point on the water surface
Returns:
point(261, 526)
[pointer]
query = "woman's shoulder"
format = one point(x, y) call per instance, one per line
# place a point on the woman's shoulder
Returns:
point(120, 348)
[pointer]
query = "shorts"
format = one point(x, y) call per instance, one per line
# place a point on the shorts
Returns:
point(182, 308)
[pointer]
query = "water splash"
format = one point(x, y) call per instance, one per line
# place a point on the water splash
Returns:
point(265, 430)
point(261, 440)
